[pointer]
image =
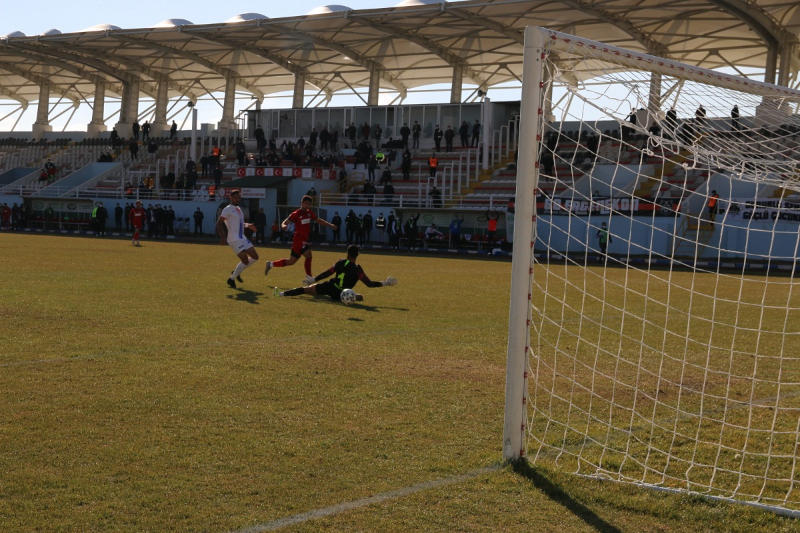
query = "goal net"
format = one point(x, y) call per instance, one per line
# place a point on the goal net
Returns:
point(654, 328)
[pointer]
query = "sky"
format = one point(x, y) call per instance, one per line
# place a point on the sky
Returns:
point(34, 17)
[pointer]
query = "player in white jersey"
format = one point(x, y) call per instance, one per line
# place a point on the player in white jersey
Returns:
point(231, 226)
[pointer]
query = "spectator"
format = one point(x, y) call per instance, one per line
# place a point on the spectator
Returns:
point(173, 131)
point(476, 134)
point(436, 197)
point(100, 215)
point(603, 238)
point(135, 130)
point(455, 231)
point(437, 138)
point(380, 225)
point(463, 132)
point(700, 115)
point(350, 222)
point(241, 151)
point(416, 130)
point(312, 139)
point(360, 230)
point(312, 192)
point(412, 231)
point(198, 222)
point(405, 165)
point(491, 224)
point(51, 170)
point(377, 131)
point(433, 164)
point(128, 209)
point(324, 138)
point(118, 212)
point(671, 123)
point(736, 123)
point(386, 177)
point(145, 131)
point(134, 149)
point(395, 231)
point(260, 222)
point(404, 133)
point(337, 233)
point(449, 135)
point(371, 166)
point(713, 205)
point(115, 140)
point(388, 194)
point(433, 234)
point(49, 215)
point(368, 224)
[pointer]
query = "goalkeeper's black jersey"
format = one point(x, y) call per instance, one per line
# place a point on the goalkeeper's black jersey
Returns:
point(346, 274)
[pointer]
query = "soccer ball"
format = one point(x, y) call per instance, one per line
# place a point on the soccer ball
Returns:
point(348, 296)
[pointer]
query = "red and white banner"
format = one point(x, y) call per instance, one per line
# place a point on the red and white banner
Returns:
point(297, 172)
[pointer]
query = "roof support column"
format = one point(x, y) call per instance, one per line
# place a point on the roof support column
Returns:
point(374, 87)
point(298, 98)
point(772, 64)
point(455, 86)
point(98, 111)
point(785, 74)
point(654, 101)
point(159, 126)
point(42, 123)
point(129, 111)
point(227, 125)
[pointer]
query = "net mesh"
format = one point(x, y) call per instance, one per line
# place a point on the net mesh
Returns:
point(665, 346)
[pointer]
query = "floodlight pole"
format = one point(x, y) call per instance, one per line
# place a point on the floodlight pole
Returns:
point(519, 316)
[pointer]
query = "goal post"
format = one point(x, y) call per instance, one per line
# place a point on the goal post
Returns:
point(654, 323)
point(524, 236)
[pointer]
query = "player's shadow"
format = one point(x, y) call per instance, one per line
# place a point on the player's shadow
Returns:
point(362, 306)
point(243, 295)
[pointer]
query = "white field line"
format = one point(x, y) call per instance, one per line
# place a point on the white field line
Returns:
point(357, 504)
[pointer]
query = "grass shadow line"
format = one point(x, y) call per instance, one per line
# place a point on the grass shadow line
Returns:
point(560, 496)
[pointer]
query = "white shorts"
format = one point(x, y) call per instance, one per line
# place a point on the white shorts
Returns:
point(240, 245)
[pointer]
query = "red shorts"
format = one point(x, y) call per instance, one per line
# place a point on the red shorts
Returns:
point(299, 247)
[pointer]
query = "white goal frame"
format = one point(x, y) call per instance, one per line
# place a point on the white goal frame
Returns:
point(538, 43)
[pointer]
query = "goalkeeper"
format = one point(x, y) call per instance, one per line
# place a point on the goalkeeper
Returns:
point(346, 274)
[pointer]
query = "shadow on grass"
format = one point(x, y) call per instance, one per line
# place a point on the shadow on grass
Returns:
point(243, 295)
point(560, 496)
point(372, 308)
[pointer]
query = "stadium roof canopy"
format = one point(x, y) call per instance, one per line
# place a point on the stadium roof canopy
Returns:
point(416, 43)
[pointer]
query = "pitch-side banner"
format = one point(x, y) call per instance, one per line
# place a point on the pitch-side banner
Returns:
point(763, 210)
point(296, 172)
point(663, 207)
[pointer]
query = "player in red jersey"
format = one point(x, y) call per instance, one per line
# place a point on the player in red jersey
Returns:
point(303, 218)
point(136, 217)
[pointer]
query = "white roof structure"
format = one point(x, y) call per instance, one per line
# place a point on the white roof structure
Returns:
point(416, 43)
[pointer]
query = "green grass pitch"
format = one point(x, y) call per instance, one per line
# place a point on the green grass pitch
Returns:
point(139, 393)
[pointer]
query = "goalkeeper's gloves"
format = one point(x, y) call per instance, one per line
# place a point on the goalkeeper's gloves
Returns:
point(390, 281)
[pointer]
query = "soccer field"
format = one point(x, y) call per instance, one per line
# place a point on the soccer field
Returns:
point(140, 393)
